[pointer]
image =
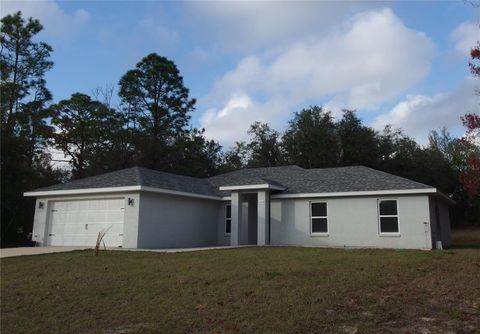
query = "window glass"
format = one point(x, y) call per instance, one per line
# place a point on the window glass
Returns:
point(319, 209)
point(228, 226)
point(388, 208)
point(319, 225)
point(388, 224)
point(228, 213)
point(228, 219)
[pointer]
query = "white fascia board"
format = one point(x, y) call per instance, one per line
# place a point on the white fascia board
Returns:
point(53, 193)
point(251, 187)
point(359, 193)
point(81, 191)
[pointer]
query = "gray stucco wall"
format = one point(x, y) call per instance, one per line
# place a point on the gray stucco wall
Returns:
point(440, 219)
point(445, 223)
point(352, 222)
point(42, 216)
point(170, 221)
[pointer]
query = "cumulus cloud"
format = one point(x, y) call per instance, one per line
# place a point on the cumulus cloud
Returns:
point(369, 59)
point(417, 115)
point(252, 24)
point(56, 22)
point(466, 36)
point(231, 122)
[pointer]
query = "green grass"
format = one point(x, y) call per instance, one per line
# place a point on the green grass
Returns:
point(269, 289)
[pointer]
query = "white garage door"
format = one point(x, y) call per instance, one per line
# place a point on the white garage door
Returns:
point(77, 223)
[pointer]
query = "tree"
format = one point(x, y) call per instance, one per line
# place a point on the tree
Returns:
point(235, 158)
point(25, 163)
point(474, 64)
point(311, 139)
point(23, 65)
point(158, 105)
point(196, 155)
point(358, 143)
point(469, 159)
point(265, 146)
point(85, 129)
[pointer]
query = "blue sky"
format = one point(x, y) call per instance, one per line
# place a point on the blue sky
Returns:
point(399, 63)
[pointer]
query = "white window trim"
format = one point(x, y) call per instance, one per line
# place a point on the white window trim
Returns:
point(318, 234)
point(388, 234)
point(225, 220)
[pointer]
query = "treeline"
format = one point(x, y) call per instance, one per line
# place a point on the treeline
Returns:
point(148, 124)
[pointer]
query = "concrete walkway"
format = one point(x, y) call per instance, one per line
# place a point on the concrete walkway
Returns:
point(179, 250)
point(20, 251)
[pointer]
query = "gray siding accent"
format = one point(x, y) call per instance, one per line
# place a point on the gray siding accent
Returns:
point(352, 222)
point(445, 223)
point(168, 221)
point(440, 221)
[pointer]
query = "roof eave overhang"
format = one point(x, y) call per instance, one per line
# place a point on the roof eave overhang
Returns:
point(360, 193)
point(442, 196)
point(252, 187)
point(114, 190)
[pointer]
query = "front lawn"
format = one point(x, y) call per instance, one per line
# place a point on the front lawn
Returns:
point(254, 290)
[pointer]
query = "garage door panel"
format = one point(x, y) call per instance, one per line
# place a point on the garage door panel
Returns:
point(78, 223)
point(116, 204)
point(113, 217)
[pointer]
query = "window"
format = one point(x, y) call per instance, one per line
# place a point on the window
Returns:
point(388, 216)
point(318, 218)
point(228, 219)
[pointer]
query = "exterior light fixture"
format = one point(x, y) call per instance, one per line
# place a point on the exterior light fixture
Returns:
point(41, 205)
point(131, 201)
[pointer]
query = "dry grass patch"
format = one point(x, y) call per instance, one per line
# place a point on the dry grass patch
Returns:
point(268, 289)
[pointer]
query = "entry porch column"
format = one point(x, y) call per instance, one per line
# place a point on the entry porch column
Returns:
point(263, 217)
point(236, 206)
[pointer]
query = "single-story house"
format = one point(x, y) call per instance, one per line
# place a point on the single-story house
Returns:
point(289, 205)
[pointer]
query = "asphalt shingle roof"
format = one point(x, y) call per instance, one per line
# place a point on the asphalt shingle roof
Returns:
point(295, 179)
point(138, 176)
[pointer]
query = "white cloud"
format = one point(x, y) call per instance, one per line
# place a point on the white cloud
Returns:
point(230, 123)
point(369, 59)
point(417, 115)
point(56, 22)
point(466, 36)
point(241, 25)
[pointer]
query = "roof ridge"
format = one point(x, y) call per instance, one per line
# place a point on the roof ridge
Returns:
point(138, 174)
point(168, 173)
point(252, 169)
point(339, 167)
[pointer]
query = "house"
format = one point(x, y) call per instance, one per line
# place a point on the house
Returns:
point(288, 205)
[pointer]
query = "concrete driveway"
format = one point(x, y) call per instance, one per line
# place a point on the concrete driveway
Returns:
point(19, 251)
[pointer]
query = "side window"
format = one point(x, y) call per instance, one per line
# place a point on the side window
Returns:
point(228, 219)
point(388, 216)
point(318, 218)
